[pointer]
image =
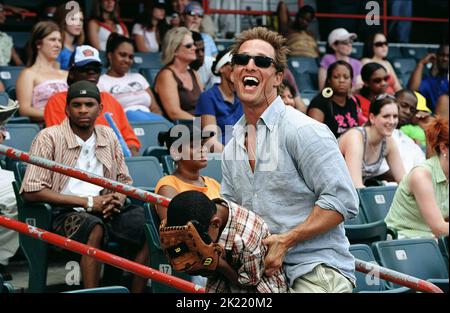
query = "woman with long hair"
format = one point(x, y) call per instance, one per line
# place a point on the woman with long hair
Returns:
point(43, 77)
point(72, 34)
point(334, 106)
point(131, 89)
point(364, 148)
point(375, 78)
point(177, 86)
point(376, 49)
point(420, 205)
point(104, 21)
point(149, 32)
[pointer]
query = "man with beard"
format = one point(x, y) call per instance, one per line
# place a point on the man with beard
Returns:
point(82, 211)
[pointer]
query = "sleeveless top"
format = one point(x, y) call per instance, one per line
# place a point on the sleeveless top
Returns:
point(371, 170)
point(104, 31)
point(188, 98)
point(43, 91)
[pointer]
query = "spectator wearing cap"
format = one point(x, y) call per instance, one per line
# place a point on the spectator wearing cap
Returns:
point(203, 63)
point(99, 214)
point(86, 65)
point(219, 107)
point(43, 77)
point(130, 89)
point(104, 21)
point(72, 33)
point(177, 86)
point(187, 145)
point(340, 41)
point(193, 16)
point(149, 32)
point(176, 10)
point(415, 129)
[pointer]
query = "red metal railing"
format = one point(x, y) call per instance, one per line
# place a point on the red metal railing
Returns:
point(361, 266)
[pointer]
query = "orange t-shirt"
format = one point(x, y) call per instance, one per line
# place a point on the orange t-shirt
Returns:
point(55, 113)
point(211, 189)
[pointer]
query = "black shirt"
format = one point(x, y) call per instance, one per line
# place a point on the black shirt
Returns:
point(337, 118)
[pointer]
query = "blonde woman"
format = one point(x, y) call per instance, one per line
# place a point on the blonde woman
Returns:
point(177, 86)
point(43, 77)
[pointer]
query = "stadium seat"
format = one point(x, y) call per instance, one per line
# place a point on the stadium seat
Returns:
point(357, 51)
point(150, 74)
point(156, 151)
point(214, 168)
point(147, 132)
point(168, 164)
point(20, 136)
point(158, 260)
point(308, 95)
point(146, 171)
point(366, 282)
point(147, 59)
point(420, 258)
point(376, 201)
point(403, 68)
point(9, 75)
point(443, 246)
point(108, 289)
point(366, 233)
point(416, 53)
point(305, 71)
point(395, 52)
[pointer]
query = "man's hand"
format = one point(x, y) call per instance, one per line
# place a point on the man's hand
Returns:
point(134, 150)
point(275, 255)
point(430, 57)
point(107, 204)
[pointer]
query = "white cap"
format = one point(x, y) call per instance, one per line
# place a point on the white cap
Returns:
point(340, 34)
point(84, 55)
point(223, 60)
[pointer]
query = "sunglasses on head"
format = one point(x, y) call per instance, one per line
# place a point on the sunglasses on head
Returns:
point(380, 79)
point(379, 44)
point(260, 61)
point(385, 96)
point(195, 14)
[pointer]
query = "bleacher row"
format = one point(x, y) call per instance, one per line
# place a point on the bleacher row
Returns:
point(367, 233)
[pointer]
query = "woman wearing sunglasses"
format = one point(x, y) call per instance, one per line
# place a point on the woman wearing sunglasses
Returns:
point(375, 78)
point(364, 148)
point(340, 42)
point(376, 49)
point(178, 87)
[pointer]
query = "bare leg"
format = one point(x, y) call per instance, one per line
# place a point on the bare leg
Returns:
point(90, 268)
point(143, 258)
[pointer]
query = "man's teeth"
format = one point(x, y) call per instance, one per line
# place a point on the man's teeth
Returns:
point(253, 81)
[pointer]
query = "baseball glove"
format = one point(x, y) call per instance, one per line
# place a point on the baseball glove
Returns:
point(186, 250)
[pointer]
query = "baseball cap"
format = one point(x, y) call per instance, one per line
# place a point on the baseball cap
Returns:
point(421, 103)
point(84, 55)
point(181, 131)
point(83, 89)
point(160, 4)
point(340, 34)
point(222, 58)
point(193, 8)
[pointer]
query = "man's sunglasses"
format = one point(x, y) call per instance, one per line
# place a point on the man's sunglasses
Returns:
point(379, 44)
point(192, 13)
point(260, 61)
point(88, 68)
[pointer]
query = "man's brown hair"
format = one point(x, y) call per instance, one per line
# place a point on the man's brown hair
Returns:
point(277, 41)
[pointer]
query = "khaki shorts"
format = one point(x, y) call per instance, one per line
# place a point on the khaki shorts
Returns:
point(322, 279)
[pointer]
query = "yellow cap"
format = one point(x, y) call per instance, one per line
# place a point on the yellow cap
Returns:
point(421, 103)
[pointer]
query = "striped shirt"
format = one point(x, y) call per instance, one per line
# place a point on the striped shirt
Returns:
point(242, 239)
point(59, 144)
